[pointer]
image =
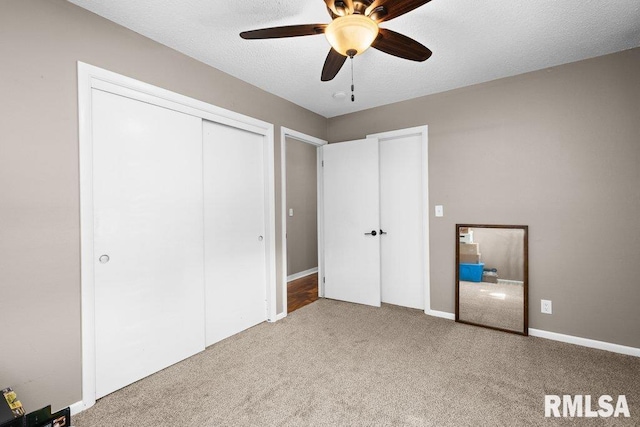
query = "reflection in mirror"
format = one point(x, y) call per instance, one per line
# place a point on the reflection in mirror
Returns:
point(491, 276)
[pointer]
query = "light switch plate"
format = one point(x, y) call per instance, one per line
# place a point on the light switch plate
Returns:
point(439, 210)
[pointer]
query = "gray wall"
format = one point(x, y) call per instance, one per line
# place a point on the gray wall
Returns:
point(558, 150)
point(302, 227)
point(40, 42)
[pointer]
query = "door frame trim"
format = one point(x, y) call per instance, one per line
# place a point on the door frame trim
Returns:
point(90, 78)
point(318, 143)
point(423, 131)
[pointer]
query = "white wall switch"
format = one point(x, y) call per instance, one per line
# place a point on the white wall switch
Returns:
point(291, 212)
point(439, 210)
point(545, 306)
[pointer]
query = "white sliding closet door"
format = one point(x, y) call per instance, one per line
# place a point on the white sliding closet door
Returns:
point(352, 221)
point(401, 217)
point(235, 253)
point(148, 231)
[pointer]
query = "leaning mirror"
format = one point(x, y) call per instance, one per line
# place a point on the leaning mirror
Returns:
point(492, 276)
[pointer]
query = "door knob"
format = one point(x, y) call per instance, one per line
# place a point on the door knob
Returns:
point(382, 232)
point(373, 233)
point(260, 238)
point(103, 259)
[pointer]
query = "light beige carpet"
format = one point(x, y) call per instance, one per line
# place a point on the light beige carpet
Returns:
point(338, 364)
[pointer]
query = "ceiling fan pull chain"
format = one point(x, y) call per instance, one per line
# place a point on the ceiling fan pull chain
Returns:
point(353, 98)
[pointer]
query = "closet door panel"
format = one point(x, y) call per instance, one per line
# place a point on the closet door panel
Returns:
point(235, 252)
point(148, 231)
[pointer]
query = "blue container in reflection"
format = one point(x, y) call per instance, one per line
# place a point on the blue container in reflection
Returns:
point(471, 272)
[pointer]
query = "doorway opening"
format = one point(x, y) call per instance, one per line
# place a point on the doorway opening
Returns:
point(301, 223)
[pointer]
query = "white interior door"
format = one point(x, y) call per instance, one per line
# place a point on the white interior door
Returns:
point(351, 210)
point(148, 231)
point(401, 217)
point(235, 253)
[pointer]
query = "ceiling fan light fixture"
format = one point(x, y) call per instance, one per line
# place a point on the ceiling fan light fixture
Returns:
point(351, 32)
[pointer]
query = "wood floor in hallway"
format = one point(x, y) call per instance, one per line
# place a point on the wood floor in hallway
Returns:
point(301, 292)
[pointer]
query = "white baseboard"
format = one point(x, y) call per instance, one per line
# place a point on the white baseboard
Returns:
point(281, 316)
point(570, 339)
point(77, 407)
point(443, 314)
point(302, 274)
point(585, 342)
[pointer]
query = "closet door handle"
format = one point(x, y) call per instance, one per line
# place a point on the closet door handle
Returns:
point(382, 232)
point(373, 233)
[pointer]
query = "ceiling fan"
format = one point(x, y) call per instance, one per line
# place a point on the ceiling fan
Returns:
point(354, 27)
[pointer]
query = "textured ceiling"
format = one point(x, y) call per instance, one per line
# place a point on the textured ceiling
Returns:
point(473, 41)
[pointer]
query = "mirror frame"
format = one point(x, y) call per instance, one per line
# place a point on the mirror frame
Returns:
point(525, 330)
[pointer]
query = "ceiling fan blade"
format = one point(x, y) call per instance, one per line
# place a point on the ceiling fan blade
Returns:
point(399, 45)
point(389, 9)
point(280, 32)
point(332, 65)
